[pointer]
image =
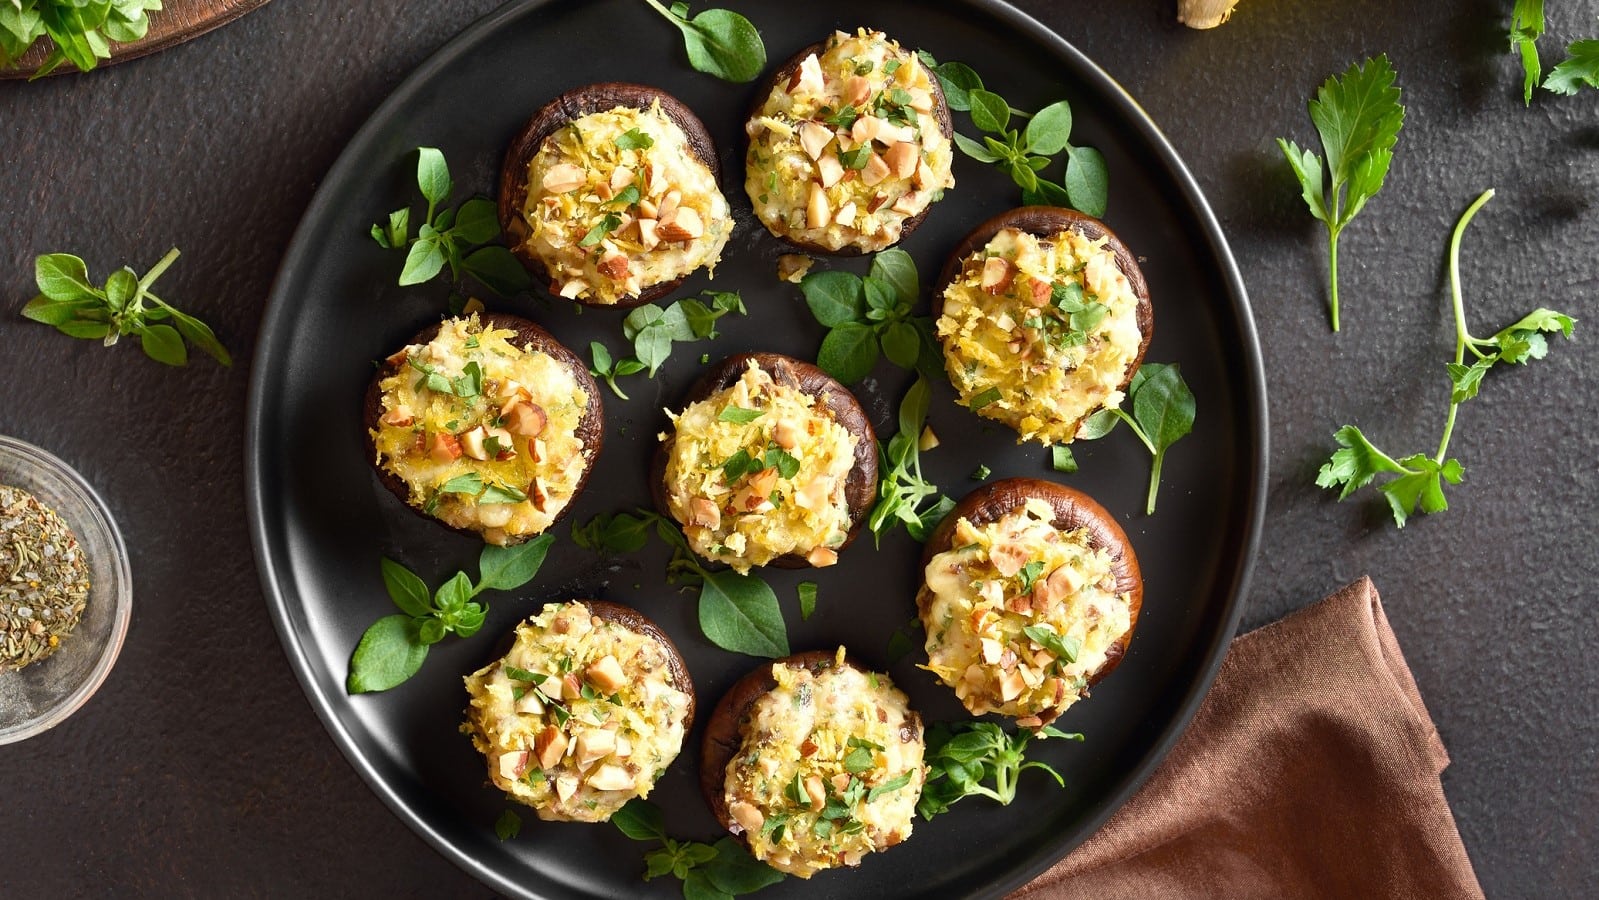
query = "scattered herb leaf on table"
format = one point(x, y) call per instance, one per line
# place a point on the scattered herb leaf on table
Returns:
point(1526, 26)
point(871, 317)
point(708, 871)
point(719, 42)
point(901, 489)
point(1163, 413)
point(963, 760)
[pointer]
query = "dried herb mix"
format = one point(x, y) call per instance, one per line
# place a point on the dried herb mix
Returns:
point(44, 579)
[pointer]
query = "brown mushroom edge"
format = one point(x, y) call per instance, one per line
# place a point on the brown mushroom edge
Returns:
point(723, 730)
point(946, 124)
point(568, 107)
point(860, 489)
point(634, 621)
point(1043, 222)
point(590, 428)
point(1073, 510)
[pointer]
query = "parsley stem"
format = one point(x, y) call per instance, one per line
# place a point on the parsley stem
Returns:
point(667, 13)
point(1332, 261)
point(1462, 336)
point(156, 270)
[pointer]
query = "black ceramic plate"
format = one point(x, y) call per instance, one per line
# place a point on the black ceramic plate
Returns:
point(321, 520)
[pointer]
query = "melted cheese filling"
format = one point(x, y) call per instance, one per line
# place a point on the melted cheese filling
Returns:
point(1044, 336)
point(581, 716)
point(789, 460)
point(611, 217)
point(830, 769)
point(848, 149)
point(450, 429)
point(1000, 605)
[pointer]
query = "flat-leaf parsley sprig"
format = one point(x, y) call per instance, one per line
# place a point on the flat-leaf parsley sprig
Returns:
point(1420, 478)
point(1358, 117)
point(724, 869)
point(461, 237)
point(394, 647)
point(80, 30)
point(964, 760)
point(71, 304)
point(736, 612)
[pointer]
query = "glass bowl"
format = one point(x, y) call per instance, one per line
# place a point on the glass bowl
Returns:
point(37, 697)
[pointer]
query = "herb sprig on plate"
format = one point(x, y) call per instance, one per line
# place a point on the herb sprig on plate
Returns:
point(81, 30)
point(1163, 413)
point(653, 330)
point(1420, 478)
point(902, 491)
point(736, 612)
point(869, 316)
point(719, 42)
point(979, 759)
point(1025, 153)
point(74, 306)
point(462, 237)
point(724, 869)
point(394, 647)
point(1358, 117)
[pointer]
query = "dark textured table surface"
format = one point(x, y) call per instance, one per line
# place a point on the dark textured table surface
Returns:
point(199, 768)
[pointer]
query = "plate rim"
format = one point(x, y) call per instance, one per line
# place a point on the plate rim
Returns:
point(1253, 405)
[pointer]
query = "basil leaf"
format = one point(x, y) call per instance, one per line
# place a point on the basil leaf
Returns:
point(433, 175)
point(163, 344)
point(423, 261)
point(508, 568)
point(386, 656)
point(983, 399)
point(1064, 646)
point(508, 826)
point(989, 111)
point(739, 415)
point(476, 222)
point(498, 270)
point(453, 594)
point(901, 344)
point(895, 267)
point(640, 820)
point(848, 352)
point(407, 590)
point(958, 81)
point(501, 493)
point(1061, 459)
point(1087, 181)
point(807, 598)
point(1049, 130)
point(121, 287)
point(634, 139)
point(734, 871)
point(63, 277)
point(834, 298)
point(740, 613)
point(470, 483)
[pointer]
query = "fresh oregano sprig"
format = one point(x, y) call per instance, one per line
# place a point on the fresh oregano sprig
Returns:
point(123, 306)
point(724, 869)
point(1025, 153)
point(902, 492)
point(736, 612)
point(461, 237)
point(1420, 478)
point(719, 42)
point(1163, 413)
point(1358, 117)
point(979, 758)
point(871, 316)
point(81, 30)
point(394, 647)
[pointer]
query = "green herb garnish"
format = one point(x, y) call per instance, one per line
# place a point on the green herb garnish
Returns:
point(80, 30)
point(508, 826)
point(740, 415)
point(708, 871)
point(462, 237)
point(719, 42)
point(1063, 646)
point(983, 399)
point(1420, 478)
point(633, 139)
point(1061, 459)
point(901, 489)
point(1526, 26)
point(1358, 117)
point(981, 473)
point(871, 315)
point(394, 647)
point(1579, 69)
point(963, 760)
point(604, 367)
point(68, 302)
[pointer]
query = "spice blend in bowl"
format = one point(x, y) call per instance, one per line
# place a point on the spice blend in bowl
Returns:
point(44, 580)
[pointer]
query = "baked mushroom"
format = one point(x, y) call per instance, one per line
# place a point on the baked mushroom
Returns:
point(813, 762)
point(610, 192)
point(485, 423)
point(1044, 317)
point(583, 713)
point(1030, 595)
point(849, 145)
point(771, 462)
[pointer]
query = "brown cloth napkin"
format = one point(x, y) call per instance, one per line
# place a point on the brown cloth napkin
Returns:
point(1311, 770)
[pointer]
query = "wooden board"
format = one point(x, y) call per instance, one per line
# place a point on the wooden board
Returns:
point(176, 22)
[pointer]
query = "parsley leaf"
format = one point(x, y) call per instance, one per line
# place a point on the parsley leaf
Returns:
point(1526, 26)
point(1580, 68)
point(1358, 117)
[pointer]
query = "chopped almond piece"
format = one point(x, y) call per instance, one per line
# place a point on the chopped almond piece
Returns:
point(857, 90)
point(620, 178)
point(876, 170)
point(998, 273)
point(549, 746)
point(865, 128)
point(399, 417)
point(624, 748)
point(566, 786)
point(606, 675)
point(571, 687)
point(573, 288)
point(613, 265)
point(1007, 559)
point(817, 211)
point(791, 267)
point(764, 481)
point(472, 305)
point(669, 204)
point(991, 650)
point(530, 704)
point(814, 138)
point(551, 687)
point(1030, 722)
point(928, 440)
point(1062, 582)
point(808, 77)
point(841, 782)
point(1011, 685)
point(443, 447)
point(513, 764)
point(924, 175)
point(611, 778)
point(902, 159)
point(684, 226)
point(906, 204)
point(648, 233)
point(831, 170)
point(536, 493)
point(746, 815)
point(704, 513)
point(647, 209)
point(1022, 603)
point(472, 442)
point(526, 419)
point(846, 215)
point(822, 557)
point(921, 99)
point(510, 390)
point(817, 793)
point(563, 178)
point(786, 434)
point(593, 745)
point(398, 357)
point(808, 747)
